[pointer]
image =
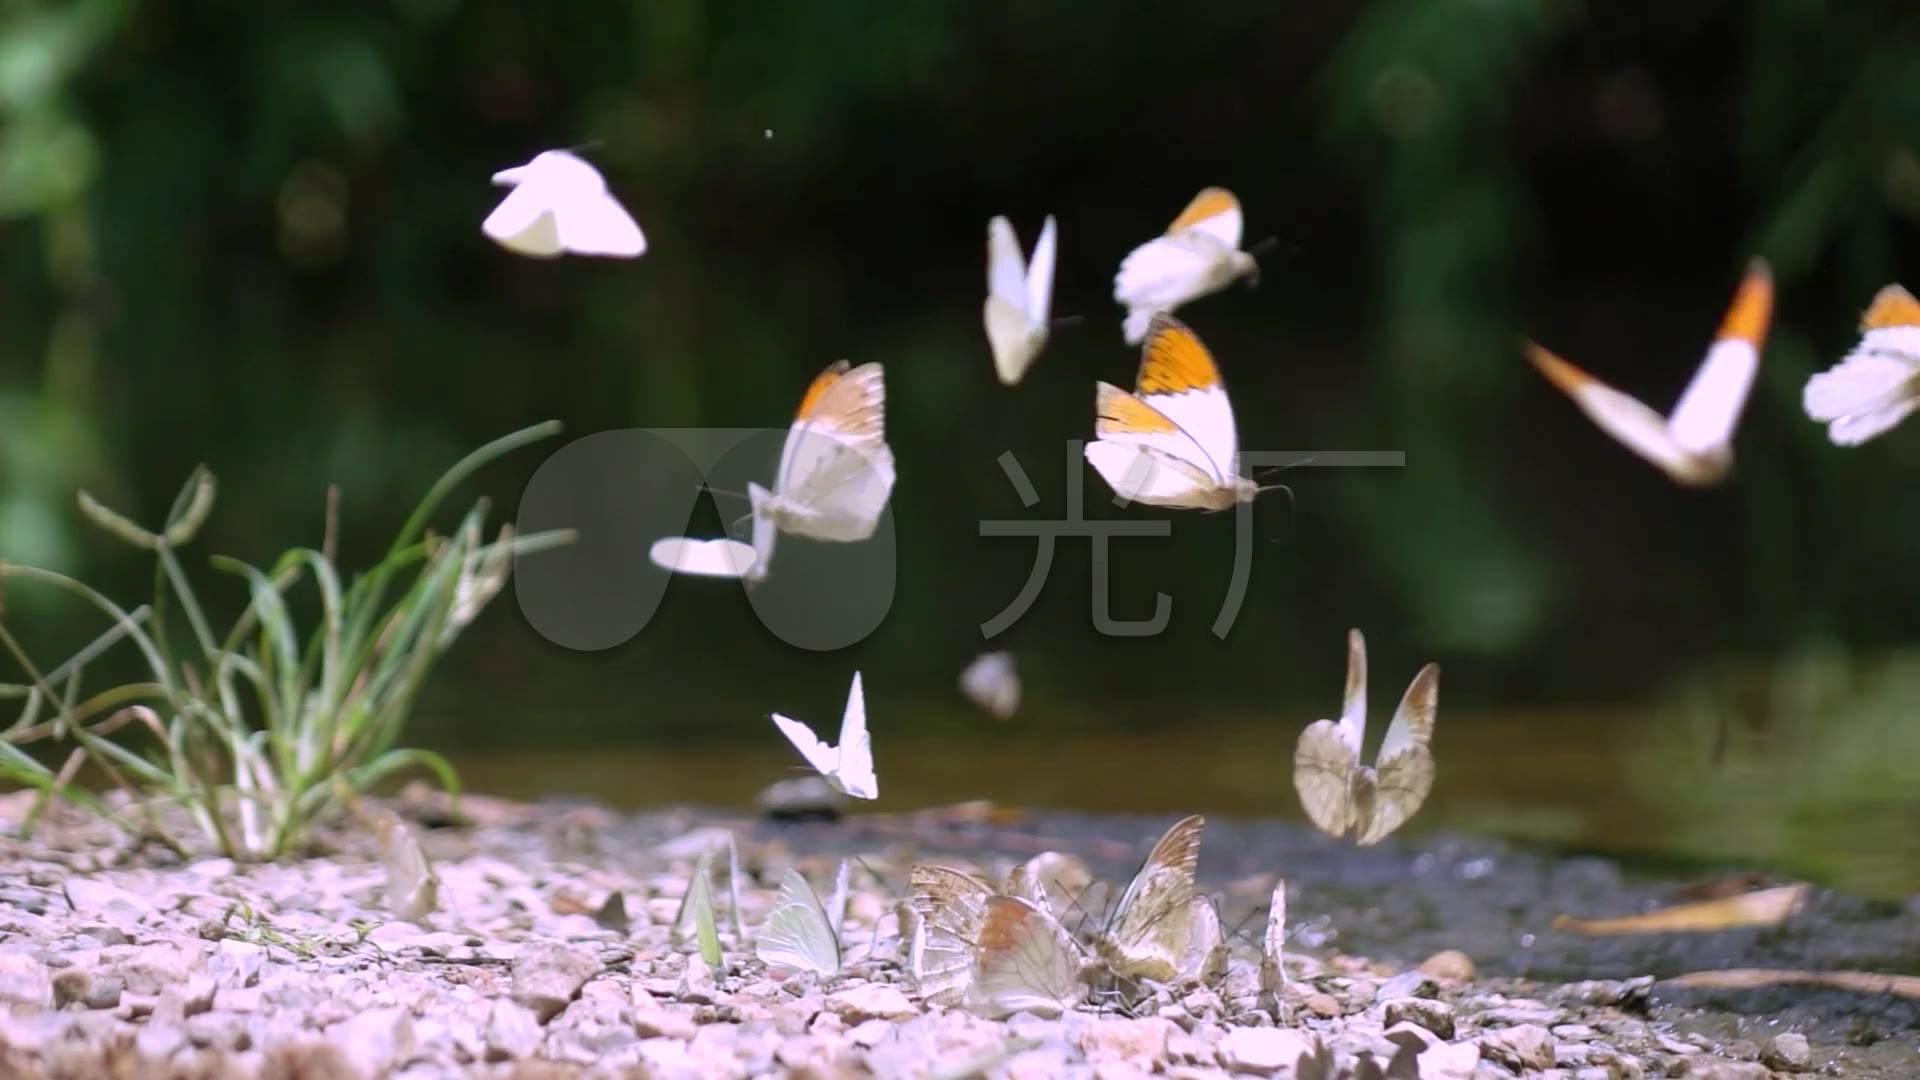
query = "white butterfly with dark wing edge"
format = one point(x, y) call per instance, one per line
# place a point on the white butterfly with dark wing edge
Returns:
point(1171, 442)
point(849, 766)
point(1877, 385)
point(559, 204)
point(1695, 445)
point(992, 683)
point(1159, 932)
point(836, 469)
point(1340, 794)
point(1019, 298)
point(1199, 254)
point(799, 935)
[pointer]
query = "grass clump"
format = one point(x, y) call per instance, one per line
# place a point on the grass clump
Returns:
point(257, 732)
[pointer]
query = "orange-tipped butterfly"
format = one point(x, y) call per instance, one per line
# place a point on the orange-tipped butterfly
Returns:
point(836, 470)
point(1199, 254)
point(1695, 445)
point(1876, 385)
point(1171, 442)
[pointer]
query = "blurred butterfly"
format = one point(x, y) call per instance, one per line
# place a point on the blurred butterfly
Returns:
point(849, 766)
point(413, 889)
point(1339, 793)
point(1199, 254)
point(708, 558)
point(1019, 297)
point(836, 470)
point(1876, 385)
point(559, 203)
point(798, 935)
point(1149, 935)
point(1171, 442)
point(1694, 446)
point(992, 683)
point(993, 953)
point(695, 920)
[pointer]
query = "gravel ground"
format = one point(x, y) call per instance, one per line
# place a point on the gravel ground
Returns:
point(549, 954)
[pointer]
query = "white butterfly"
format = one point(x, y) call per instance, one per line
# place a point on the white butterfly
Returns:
point(559, 204)
point(1695, 445)
point(798, 935)
point(1019, 297)
point(708, 558)
point(1339, 793)
point(695, 920)
point(1199, 254)
point(1171, 442)
point(1876, 385)
point(1150, 934)
point(993, 684)
point(1026, 962)
point(1273, 948)
point(413, 889)
point(836, 470)
point(849, 766)
point(992, 952)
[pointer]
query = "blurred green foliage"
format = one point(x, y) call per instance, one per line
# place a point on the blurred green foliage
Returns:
point(248, 235)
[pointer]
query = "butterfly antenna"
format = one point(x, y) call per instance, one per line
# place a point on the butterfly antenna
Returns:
point(1264, 246)
point(594, 143)
point(1068, 320)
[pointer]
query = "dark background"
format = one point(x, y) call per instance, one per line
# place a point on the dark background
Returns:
point(248, 235)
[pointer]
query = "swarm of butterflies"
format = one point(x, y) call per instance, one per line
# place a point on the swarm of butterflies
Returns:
point(1170, 442)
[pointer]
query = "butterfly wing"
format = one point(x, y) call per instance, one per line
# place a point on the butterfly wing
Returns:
point(836, 463)
point(1403, 775)
point(1006, 266)
point(1025, 962)
point(797, 935)
point(1323, 766)
point(1040, 275)
point(1704, 419)
point(1206, 958)
point(599, 225)
point(854, 773)
point(822, 757)
point(1179, 378)
point(524, 222)
point(1215, 214)
point(1273, 947)
point(951, 906)
point(1353, 709)
point(1149, 933)
point(1175, 471)
point(708, 558)
point(1633, 424)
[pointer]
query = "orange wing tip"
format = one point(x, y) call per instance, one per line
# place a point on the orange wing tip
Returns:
point(1558, 372)
point(1892, 307)
point(1752, 308)
point(1120, 413)
point(822, 383)
point(1212, 201)
point(1173, 360)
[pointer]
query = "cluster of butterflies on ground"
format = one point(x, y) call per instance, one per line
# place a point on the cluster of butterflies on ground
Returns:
point(1172, 442)
point(997, 950)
